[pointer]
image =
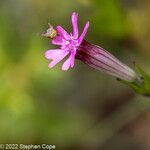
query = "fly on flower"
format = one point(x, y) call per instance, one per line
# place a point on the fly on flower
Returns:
point(75, 46)
point(51, 32)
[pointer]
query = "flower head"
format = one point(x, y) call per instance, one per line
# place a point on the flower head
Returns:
point(77, 47)
point(69, 43)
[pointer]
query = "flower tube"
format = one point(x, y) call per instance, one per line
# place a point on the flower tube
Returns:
point(102, 60)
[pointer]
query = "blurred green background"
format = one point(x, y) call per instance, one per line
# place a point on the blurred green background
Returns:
point(81, 108)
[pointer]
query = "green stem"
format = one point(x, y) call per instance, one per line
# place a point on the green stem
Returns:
point(142, 84)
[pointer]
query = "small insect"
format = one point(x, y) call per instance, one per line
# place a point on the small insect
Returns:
point(50, 33)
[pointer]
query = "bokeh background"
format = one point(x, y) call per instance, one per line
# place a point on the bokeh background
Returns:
point(81, 108)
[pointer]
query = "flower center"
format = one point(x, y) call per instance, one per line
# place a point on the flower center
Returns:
point(73, 45)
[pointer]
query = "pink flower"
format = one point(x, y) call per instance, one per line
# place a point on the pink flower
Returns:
point(90, 54)
point(69, 43)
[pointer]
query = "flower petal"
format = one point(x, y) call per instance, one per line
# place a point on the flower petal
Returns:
point(56, 55)
point(69, 62)
point(63, 33)
point(73, 58)
point(52, 54)
point(84, 32)
point(58, 40)
point(75, 25)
